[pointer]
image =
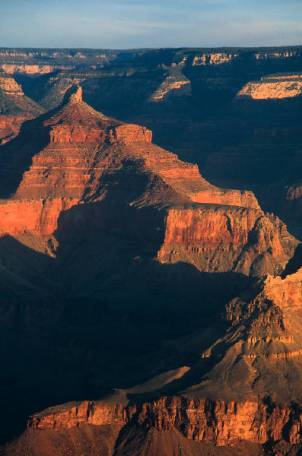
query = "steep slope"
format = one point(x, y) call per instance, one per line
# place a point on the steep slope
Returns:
point(116, 232)
point(174, 85)
point(75, 156)
point(105, 441)
point(249, 396)
point(261, 351)
point(15, 108)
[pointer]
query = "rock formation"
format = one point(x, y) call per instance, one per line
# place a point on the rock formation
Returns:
point(15, 108)
point(261, 350)
point(77, 149)
point(30, 69)
point(251, 395)
point(212, 239)
point(214, 58)
point(175, 84)
point(213, 422)
point(95, 207)
point(273, 88)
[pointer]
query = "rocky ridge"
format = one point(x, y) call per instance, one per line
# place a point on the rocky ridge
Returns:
point(216, 422)
point(80, 148)
point(273, 87)
point(262, 343)
point(82, 184)
point(175, 84)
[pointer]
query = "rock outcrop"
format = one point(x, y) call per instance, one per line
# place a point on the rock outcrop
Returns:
point(174, 85)
point(261, 352)
point(217, 422)
point(252, 394)
point(78, 148)
point(30, 69)
point(15, 108)
point(220, 239)
point(214, 58)
point(275, 87)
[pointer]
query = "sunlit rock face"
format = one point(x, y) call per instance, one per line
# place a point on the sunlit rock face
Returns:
point(175, 85)
point(209, 421)
point(227, 239)
point(10, 126)
point(273, 88)
point(10, 87)
point(30, 69)
point(216, 58)
point(77, 148)
point(262, 344)
point(15, 108)
point(102, 203)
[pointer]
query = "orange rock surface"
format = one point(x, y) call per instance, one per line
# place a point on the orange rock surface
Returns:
point(208, 227)
point(15, 108)
point(226, 239)
point(273, 88)
point(10, 126)
point(261, 352)
point(10, 68)
point(219, 422)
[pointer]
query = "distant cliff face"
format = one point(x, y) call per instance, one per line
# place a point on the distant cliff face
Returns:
point(216, 422)
point(214, 58)
point(30, 69)
point(15, 108)
point(274, 88)
point(174, 85)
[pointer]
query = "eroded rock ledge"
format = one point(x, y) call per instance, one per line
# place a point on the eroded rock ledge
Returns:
point(219, 422)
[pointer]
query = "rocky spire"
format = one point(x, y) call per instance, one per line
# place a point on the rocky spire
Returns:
point(74, 95)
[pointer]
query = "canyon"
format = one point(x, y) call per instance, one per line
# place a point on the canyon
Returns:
point(150, 300)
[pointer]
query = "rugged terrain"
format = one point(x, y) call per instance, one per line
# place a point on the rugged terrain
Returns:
point(157, 302)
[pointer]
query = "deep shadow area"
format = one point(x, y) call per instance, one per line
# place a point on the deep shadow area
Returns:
point(107, 306)
point(16, 156)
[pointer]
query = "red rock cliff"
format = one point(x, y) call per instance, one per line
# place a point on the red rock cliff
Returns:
point(219, 422)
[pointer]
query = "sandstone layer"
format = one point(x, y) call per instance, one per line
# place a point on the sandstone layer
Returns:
point(226, 239)
point(217, 422)
point(78, 149)
point(273, 88)
point(252, 394)
point(30, 69)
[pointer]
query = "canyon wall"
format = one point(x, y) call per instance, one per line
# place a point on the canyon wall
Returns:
point(226, 239)
point(218, 422)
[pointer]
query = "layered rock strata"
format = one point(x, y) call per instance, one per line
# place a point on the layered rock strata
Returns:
point(252, 394)
point(218, 422)
point(273, 88)
point(15, 108)
point(77, 152)
point(261, 352)
point(175, 85)
point(226, 239)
